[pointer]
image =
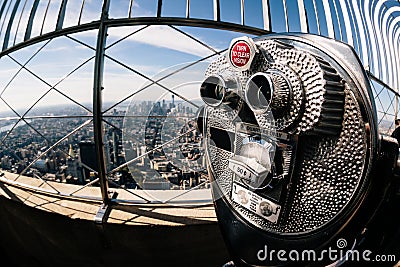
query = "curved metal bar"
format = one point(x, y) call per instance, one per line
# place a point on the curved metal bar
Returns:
point(2, 8)
point(217, 10)
point(5, 18)
point(187, 9)
point(61, 15)
point(316, 16)
point(139, 21)
point(266, 15)
point(45, 16)
point(347, 24)
point(19, 21)
point(28, 31)
point(80, 12)
point(242, 14)
point(91, 199)
point(10, 24)
point(338, 20)
point(354, 28)
point(328, 16)
point(97, 103)
point(376, 21)
point(372, 36)
point(303, 16)
point(286, 15)
point(385, 30)
point(130, 9)
point(159, 8)
point(362, 30)
point(395, 59)
point(368, 40)
point(397, 40)
point(202, 23)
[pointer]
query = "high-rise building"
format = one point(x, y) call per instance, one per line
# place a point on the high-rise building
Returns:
point(115, 152)
point(87, 153)
point(74, 168)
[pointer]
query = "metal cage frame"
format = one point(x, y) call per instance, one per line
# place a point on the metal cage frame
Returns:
point(371, 27)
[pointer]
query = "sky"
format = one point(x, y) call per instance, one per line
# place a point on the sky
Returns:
point(152, 51)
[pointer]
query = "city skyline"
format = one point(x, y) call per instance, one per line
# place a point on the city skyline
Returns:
point(28, 151)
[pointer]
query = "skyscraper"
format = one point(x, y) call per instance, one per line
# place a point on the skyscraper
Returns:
point(87, 153)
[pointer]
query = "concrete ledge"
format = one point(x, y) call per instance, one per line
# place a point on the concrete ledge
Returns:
point(125, 214)
point(34, 237)
point(45, 230)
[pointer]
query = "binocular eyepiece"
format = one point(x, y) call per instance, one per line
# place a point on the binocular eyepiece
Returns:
point(217, 89)
point(259, 92)
point(263, 90)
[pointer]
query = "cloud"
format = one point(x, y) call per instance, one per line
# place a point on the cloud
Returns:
point(165, 37)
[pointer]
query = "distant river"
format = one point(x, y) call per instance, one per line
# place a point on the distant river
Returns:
point(9, 126)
